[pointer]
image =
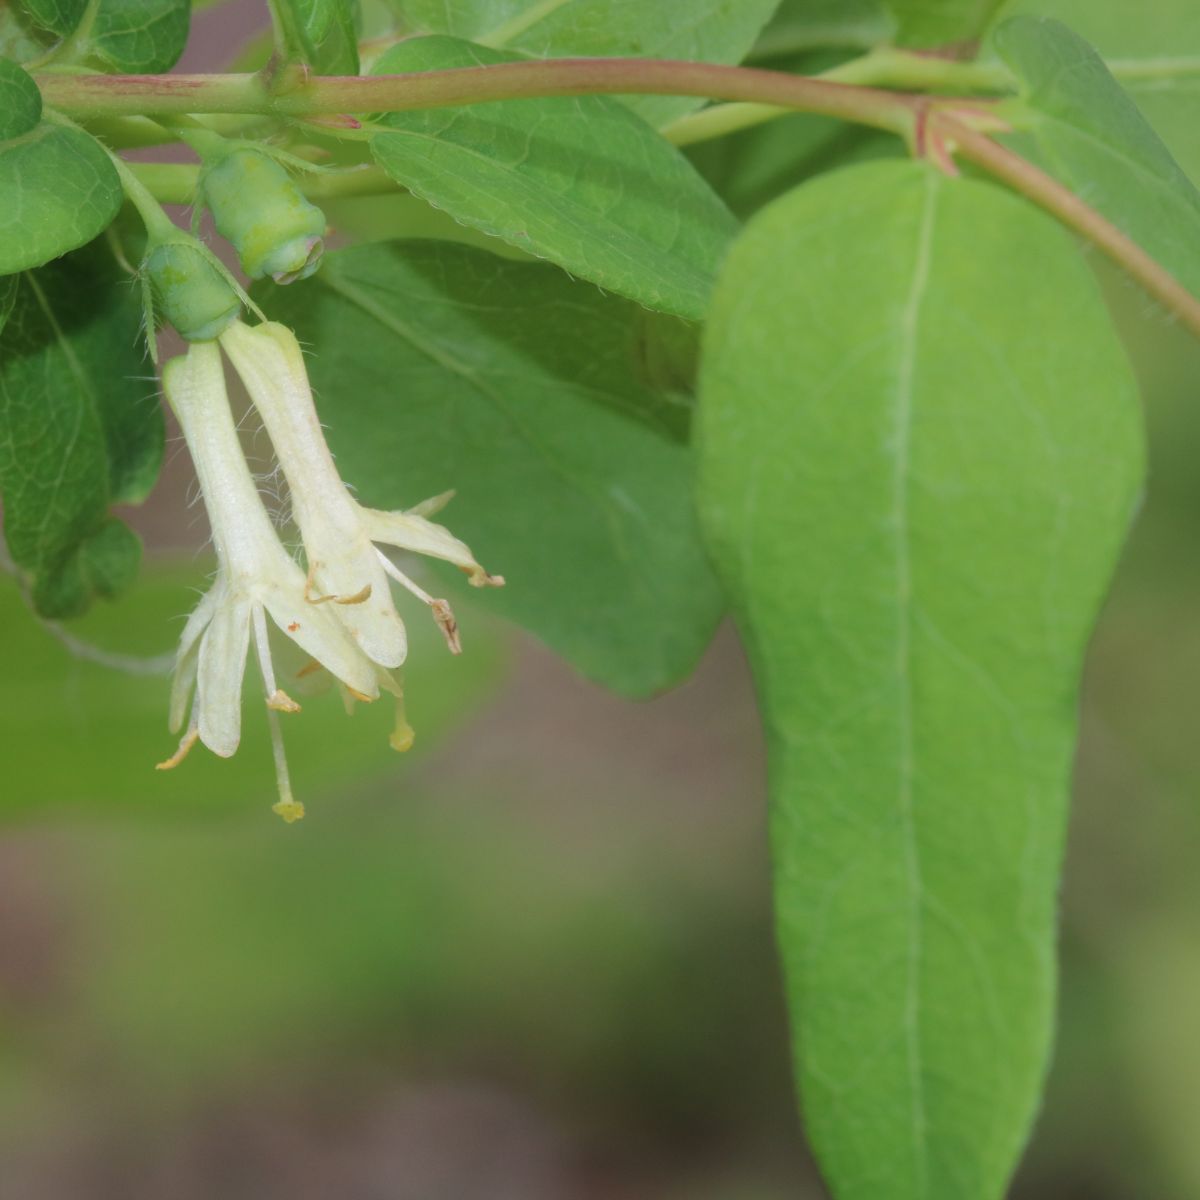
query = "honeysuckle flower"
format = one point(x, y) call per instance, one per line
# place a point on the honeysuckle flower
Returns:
point(256, 578)
point(346, 569)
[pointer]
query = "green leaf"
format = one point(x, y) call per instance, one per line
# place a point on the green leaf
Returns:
point(800, 25)
point(1093, 138)
point(80, 428)
point(940, 22)
point(442, 366)
point(20, 101)
point(1155, 49)
point(139, 35)
point(320, 33)
point(8, 295)
point(116, 35)
point(58, 190)
point(20, 40)
point(919, 454)
point(55, 16)
point(699, 30)
point(580, 181)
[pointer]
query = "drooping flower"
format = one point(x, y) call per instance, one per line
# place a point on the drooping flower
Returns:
point(256, 578)
point(345, 566)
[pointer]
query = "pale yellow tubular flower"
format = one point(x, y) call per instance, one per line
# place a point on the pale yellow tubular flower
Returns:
point(345, 567)
point(255, 577)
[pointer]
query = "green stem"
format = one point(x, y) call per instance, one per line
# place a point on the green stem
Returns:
point(126, 95)
point(175, 183)
point(157, 223)
point(905, 70)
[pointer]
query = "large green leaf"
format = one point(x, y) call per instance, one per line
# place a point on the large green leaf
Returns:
point(80, 428)
point(58, 190)
point(1093, 138)
point(582, 182)
point(116, 35)
point(700, 30)
point(940, 22)
point(441, 366)
point(919, 454)
point(321, 34)
point(1155, 49)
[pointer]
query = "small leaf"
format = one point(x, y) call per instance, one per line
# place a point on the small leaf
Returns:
point(58, 190)
point(919, 454)
point(441, 366)
point(321, 34)
point(55, 16)
point(138, 35)
point(80, 430)
point(20, 40)
point(1156, 46)
point(20, 101)
point(580, 181)
point(1093, 138)
point(698, 30)
point(116, 35)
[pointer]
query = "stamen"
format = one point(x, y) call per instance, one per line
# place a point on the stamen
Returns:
point(478, 577)
point(186, 742)
point(441, 610)
point(402, 736)
point(360, 597)
point(287, 806)
point(263, 649)
point(308, 583)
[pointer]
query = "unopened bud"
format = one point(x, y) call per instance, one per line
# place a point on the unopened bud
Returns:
point(190, 289)
point(258, 207)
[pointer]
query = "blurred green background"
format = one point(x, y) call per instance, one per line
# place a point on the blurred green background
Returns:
point(532, 959)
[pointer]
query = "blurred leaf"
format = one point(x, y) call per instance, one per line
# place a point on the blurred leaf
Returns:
point(19, 39)
point(320, 33)
point(58, 190)
point(20, 101)
point(1162, 37)
point(115, 723)
point(1094, 139)
point(698, 30)
point(80, 430)
point(116, 35)
point(919, 453)
point(55, 16)
point(441, 366)
point(810, 24)
point(941, 22)
point(580, 181)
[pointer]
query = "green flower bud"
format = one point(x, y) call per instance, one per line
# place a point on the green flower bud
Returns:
point(258, 207)
point(190, 289)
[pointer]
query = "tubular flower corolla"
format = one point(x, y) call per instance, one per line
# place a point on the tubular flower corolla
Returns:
point(256, 578)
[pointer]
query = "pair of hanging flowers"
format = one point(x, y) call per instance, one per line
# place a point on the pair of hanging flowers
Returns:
point(339, 609)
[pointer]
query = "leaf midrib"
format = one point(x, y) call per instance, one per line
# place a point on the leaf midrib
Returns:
point(901, 482)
